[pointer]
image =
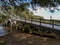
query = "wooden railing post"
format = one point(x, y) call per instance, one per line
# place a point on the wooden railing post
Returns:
point(53, 24)
point(25, 19)
point(31, 20)
point(40, 21)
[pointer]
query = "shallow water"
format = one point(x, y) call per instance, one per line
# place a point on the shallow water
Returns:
point(3, 31)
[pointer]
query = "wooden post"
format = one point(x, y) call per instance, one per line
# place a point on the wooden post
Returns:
point(53, 24)
point(6, 24)
point(40, 21)
point(40, 27)
point(50, 17)
point(31, 20)
point(25, 19)
point(11, 27)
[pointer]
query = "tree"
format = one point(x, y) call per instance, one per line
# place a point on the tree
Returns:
point(20, 5)
point(41, 2)
point(33, 2)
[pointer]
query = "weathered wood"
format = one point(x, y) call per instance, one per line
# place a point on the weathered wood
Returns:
point(31, 25)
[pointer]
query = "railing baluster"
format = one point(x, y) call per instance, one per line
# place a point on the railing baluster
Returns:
point(53, 24)
point(25, 19)
point(31, 20)
point(40, 21)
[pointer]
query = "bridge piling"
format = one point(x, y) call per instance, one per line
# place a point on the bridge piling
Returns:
point(11, 27)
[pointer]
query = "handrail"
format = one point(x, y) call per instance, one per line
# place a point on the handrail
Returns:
point(55, 22)
point(45, 21)
point(51, 23)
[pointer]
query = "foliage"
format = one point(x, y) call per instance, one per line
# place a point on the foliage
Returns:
point(41, 2)
point(19, 10)
point(3, 18)
point(44, 2)
point(29, 15)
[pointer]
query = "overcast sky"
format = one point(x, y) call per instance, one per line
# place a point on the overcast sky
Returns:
point(46, 13)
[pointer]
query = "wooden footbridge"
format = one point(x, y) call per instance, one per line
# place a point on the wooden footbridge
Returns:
point(49, 28)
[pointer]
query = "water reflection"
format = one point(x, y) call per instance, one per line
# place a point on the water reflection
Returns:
point(3, 31)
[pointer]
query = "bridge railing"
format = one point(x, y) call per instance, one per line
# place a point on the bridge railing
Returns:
point(50, 23)
point(46, 21)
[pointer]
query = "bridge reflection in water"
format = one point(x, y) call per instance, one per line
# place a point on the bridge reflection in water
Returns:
point(49, 28)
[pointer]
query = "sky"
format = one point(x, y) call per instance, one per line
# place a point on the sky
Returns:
point(46, 13)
